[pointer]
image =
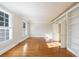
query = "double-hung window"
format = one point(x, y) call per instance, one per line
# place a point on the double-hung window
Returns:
point(4, 26)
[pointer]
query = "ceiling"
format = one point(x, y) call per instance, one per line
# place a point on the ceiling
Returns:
point(38, 11)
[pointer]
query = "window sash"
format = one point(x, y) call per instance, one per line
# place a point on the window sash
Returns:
point(4, 19)
point(5, 34)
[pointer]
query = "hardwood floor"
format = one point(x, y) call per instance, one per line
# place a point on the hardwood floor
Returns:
point(37, 47)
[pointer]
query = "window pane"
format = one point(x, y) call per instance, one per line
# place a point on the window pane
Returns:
point(7, 34)
point(1, 18)
point(6, 24)
point(1, 13)
point(2, 35)
point(6, 20)
point(1, 23)
point(23, 25)
point(6, 16)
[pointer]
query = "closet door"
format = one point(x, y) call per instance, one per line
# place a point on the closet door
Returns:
point(73, 30)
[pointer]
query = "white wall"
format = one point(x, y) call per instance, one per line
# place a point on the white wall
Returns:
point(17, 34)
point(40, 29)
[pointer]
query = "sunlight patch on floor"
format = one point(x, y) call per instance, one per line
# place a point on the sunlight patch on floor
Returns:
point(53, 44)
point(25, 49)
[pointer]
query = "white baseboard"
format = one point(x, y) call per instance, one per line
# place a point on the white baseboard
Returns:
point(11, 46)
point(73, 52)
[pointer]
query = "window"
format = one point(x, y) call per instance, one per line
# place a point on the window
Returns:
point(4, 26)
point(24, 28)
point(25, 24)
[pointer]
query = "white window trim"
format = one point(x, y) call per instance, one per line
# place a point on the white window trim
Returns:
point(10, 24)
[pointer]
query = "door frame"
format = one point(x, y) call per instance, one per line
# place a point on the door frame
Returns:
point(63, 27)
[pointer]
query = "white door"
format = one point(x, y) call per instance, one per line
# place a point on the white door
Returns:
point(63, 34)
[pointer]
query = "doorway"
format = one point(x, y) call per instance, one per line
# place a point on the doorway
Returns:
point(62, 34)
